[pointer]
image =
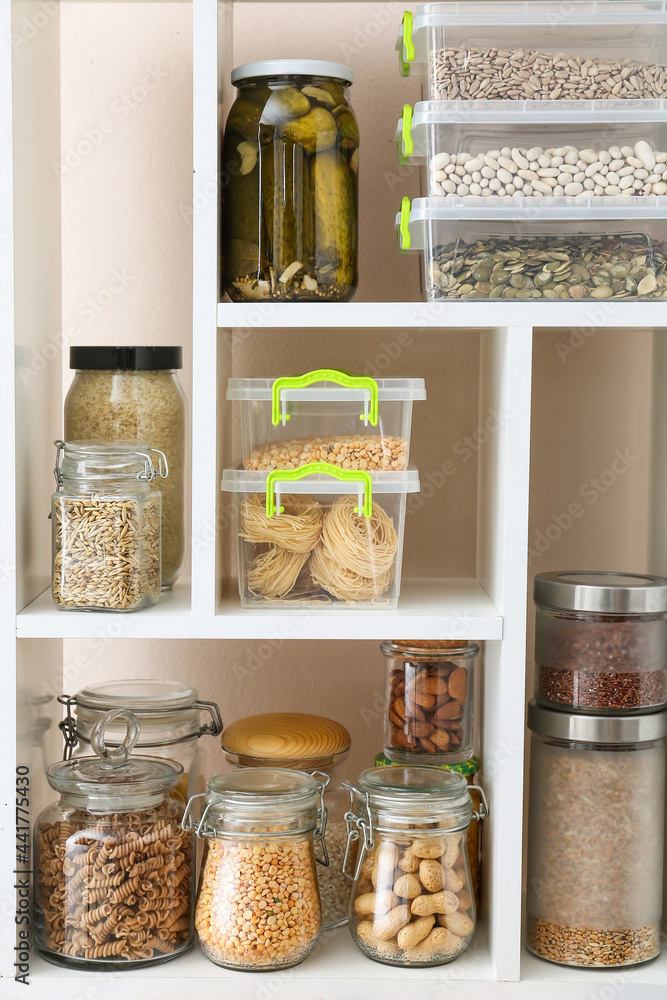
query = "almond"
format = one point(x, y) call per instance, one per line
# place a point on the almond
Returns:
point(418, 729)
point(427, 745)
point(458, 684)
point(399, 707)
point(450, 710)
point(441, 738)
point(451, 725)
point(412, 710)
point(442, 698)
point(442, 669)
point(395, 718)
point(425, 700)
point(432, 685)
point(403, 742)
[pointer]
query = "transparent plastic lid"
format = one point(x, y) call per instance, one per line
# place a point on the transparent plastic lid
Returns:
point(593, 12)
point(261, 389)
point(319, 484)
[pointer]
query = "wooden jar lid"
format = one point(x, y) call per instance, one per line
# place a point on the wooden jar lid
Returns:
point(285, 736)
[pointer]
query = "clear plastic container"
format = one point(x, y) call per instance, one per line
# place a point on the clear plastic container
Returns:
point(586, 49)
point(316, 417)
point(550, 252)
point(170, 714)
point(319, 746)
point(114, 870)
point(318, 537)
point(595, 837)
point(601, 642)
point(576, 150)
point(429, 692)
point(412, 901)
point(258, 904)
point(290, 164)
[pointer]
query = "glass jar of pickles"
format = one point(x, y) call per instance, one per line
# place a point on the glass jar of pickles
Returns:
point(289, 190)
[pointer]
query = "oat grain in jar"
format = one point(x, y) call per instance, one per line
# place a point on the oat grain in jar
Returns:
point(601, 642)
point(412, 899)
point(595, 837)
point(132, 394)
point(430, 687)
point(258, 904)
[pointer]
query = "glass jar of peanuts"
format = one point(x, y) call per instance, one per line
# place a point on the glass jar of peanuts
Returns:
point(114, 874)
point(412, 899)
point(258, 904)
point(319, 746)
point(430, 687)
point(105, 526)
point(133, 394)
point(170, 714)
point(595, 837)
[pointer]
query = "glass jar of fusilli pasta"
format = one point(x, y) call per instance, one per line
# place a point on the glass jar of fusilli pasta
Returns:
point(258, 904)
point(113, 866)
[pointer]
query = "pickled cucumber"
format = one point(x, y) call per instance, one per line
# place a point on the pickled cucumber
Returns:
point(348, 133)
point(334, 194)
point(287, 204)
point(315, 131)
point(245, 119)
point(284, 104)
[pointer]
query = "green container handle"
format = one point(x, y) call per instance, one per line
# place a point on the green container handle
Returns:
point(321, 468)
point(406, 146)
point(404, 238)
point(406, 50)
point(278, 414)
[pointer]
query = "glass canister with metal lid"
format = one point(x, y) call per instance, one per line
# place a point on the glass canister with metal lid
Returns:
point(170, 714)
point(306, 743)
point(114, 880)
point(289, 189)
point(412, 899)
point(601, 642)
point(106, 526)
point(595, 837)
point(258, 904)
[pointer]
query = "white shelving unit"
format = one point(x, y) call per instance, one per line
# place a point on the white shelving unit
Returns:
point(492, 606)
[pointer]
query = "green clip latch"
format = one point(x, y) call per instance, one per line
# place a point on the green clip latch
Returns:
point(321, 468)
point(406, 50)
point(370, 415)
point(404, 239)
point(406, 146)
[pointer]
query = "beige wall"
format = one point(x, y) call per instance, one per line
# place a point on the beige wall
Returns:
point(122, 209)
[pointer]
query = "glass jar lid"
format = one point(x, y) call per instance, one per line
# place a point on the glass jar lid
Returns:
point(429, 649)
point(112, 779)
point(291, 67)
point(612, 730)
point(260, 788)
point(603, 592)
point(125, 358)
point(99, 461)
point(285, 739)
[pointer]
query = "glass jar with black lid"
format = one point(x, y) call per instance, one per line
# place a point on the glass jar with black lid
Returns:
point(132, 394)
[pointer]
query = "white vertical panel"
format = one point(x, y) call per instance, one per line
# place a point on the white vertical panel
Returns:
point(205, 295)
point(657, 541)
point(504, 427)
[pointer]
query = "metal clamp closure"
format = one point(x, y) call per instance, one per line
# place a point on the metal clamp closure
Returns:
point(323, 780)
point(482, 811)
point(188, 821)
point(359, 828)
point(68, 726)
point(215, 727)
